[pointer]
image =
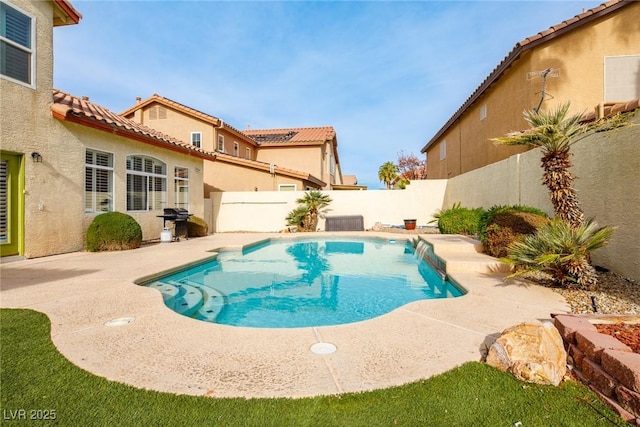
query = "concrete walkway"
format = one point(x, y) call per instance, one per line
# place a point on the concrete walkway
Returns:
point(161, 350)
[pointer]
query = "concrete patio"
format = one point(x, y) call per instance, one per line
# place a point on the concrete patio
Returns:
point(161, 350)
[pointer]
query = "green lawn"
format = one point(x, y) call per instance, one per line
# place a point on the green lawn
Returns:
point(36, 377)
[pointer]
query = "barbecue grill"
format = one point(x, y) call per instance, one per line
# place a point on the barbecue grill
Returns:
point(179, 218)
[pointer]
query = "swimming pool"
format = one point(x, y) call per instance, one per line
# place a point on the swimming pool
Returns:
point(288, 283)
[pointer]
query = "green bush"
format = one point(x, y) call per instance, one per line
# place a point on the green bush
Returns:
point(113, 231)
point(500, 226)
point(197, 227)
point(459, 220)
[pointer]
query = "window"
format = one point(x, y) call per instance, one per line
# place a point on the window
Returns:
point(236, 149)
point(146, 184)
point(483, 112)
point(248, 153)
point(17, 53)
point(196, 139)
point(286, 187)
point(443, 150)
point(181, 183)
point(221, 143)
point(98, 181)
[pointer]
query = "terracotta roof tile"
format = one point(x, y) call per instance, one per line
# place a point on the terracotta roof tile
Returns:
point(291, 135)
point(65, 14)
point(66, 105)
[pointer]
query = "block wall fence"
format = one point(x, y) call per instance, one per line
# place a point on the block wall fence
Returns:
point(606, 166)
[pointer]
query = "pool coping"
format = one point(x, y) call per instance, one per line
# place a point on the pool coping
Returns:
point(161, 350)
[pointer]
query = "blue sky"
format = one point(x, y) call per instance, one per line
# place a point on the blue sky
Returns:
point(385, 74)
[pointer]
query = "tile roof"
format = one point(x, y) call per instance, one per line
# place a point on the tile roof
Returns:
point(82, 111)
point(293, 136)
point(520, 47)
point(155, 98)
point(65, 14)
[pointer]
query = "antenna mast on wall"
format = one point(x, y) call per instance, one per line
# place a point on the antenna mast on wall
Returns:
point(549, 72)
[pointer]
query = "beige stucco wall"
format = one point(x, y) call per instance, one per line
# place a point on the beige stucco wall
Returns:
point(266, 211)
point(26, 126)
point(301, 158)
point(579, 57)
point(607, 167)
point(221, 176)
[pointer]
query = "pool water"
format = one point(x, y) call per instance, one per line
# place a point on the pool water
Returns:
point(303, 283)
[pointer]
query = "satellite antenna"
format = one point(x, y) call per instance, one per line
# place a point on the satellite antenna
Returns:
point(548, 72)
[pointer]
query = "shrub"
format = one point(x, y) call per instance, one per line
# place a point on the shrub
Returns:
point(562, 251)
point(500, 226)
point(197, 227)
point(459, 220)
point(113, 231)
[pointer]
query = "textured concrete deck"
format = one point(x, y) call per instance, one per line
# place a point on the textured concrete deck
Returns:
point(164, 351)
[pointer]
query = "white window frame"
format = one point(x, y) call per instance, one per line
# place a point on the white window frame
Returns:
point(236, 149)
point(31, 50)
point(221, 143)
point(150, 197)
point(196, 139)
point(287, 187)
point(248, 153)
point(443, 149)
point(483, 112)
point(98, 201)
point(181, 187)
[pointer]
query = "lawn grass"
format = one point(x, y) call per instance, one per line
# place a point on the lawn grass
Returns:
point(35, 376)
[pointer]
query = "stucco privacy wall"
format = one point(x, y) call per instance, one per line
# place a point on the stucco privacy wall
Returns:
point(607, 167)
point(267, 210)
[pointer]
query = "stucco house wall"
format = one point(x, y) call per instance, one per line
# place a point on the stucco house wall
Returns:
point(26, 126)
point(578, 55)
point(231, 177)
point(304, 158)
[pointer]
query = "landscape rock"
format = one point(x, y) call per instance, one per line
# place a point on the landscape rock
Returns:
point(532, 352)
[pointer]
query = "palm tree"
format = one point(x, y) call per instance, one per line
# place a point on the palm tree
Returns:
point(561, 251)
point(388, 173)
point(314, 202)
point(554, 133)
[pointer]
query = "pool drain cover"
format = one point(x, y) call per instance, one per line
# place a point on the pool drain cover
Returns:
point(323, 348)
point(120, 321)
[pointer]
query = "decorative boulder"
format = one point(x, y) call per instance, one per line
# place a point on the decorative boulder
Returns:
point(532, 352)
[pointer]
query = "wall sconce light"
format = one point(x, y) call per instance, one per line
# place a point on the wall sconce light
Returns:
point(37, 157)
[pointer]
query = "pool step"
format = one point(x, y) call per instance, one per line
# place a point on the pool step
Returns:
point(213, 303)
point(464, 254)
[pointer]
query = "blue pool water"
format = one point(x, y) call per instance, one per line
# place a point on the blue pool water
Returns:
point(302, 283)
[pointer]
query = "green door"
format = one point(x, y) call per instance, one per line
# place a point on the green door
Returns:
point(11, 212)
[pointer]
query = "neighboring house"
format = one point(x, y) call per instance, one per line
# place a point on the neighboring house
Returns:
point(591, 60)
point(236, 165)
point(64, 159)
